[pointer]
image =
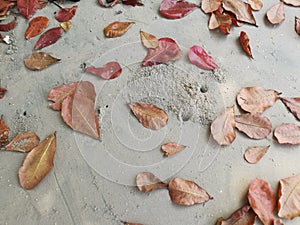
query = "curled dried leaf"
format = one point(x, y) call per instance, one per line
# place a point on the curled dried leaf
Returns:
point(297, 25)
point(116, 29)
point(278, 222)
point(255, 4)
point(242, 216)
point(66, 14)
point(66, 26)
point(109, 71)
point(38, 163)
point(4, 132)
point(223, 127)
point(174, 9)
point(9, 26)
point(36, 26)
point(276, 13)
point(147, 182)
point(172, 148)
point(220, 20)
point(148, 40)
point(244, 40)
point(209, 6)
point(287, 133)
point(149, 115)
point(256, 99)
point(293, 104)
point(110, 4)
point(23, 142)
point(39, 60)
point(292, 2)
point(200, 58)
point(254, 154)
point(185, 192)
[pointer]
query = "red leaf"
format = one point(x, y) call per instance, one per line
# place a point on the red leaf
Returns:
point(50, 37)
point(242, 216)
point(175, 9)
point(132, 2)
point(9, 26)
point(200, 58)
point(36, 26)
point(276, 13)
point(65, 14)
point(4, 131)
point(27, 8)
point(166, 50)
point(244, 40)
point(288, 133)
point(297, 25)
point(5, 5)
point(262, 200)
point(109, 4)
point(293, 104)
point(109, 71)
point(2, 92)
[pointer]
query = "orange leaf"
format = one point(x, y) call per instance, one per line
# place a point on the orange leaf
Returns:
point(39, 60)
point(36, 26)
point(255, 4)
point(23, 142)
point(244, 40)
point(5, 5)
point(287, 133)
point(276, 13)
point(256, 99)
point(292, 2)
point(242, 216)
point(185, 192)
point(297, 25)
point(209, 6)
point(223, 127)
point(4, 132)
point(38, 163)
point(262, 200)
point(149, 115)
point(172, 148)
point(254, 154)
point(293, 104)
point(147, 182)
point(116, 29)
point(289, 197)
point(219, 20)
point(148, 40)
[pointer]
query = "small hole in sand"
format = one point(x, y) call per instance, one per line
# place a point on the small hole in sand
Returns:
point(204, 89)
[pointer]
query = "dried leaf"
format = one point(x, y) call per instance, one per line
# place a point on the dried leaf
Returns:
point(5, 5)
point(116, 29)
point(9, 26)
point(50, 37)
point(276, 13)
point(4, 132)
point(167, 50)
point(174, 9)
point(288, 133)
point(293, 104)
point(38, 163)
point(109, 71)
point(199, 57)
point(262, 200)
point(254, 126)
point(278, 222)
point(241, 10)
point(254, 154)
point(2, 92)
point(244, 40)
point(223, 127)
point(255, 4)
point(209, 6)
point(147, 182)
point(27, 8)
point(66, 26)
point(132, 2)
point(39, 60)
point(110, 4)
point(36, 26)
point(149, 115)
point(185, 192)
point(129, 223)
point(220, 20)
point(242, 216)
point(289, 197)
point(297, 25)
point(292, 2)
point(66, 14)
point(78, 111)
point(148, 40)
point(23, 142)
point(172, 148)
point(256, 99)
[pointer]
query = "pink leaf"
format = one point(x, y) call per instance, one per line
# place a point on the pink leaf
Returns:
point(66, 14)
point(200, 58)
point(174, 9)
point(49, 37)
point(109, 71)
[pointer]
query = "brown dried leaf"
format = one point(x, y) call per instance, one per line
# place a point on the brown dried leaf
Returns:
point(241, 10)
point(185, 192)
point(297, 25)
point(254, 154)
point(148, 40)
point(66, 26)
point(288, 133)
point(255, 4)
point(256, 99)
point(36, 26)
point(289, 197)
point(262, 200)
point(242, 216)
point(276, 13)
point(116, 29)
point(147, 182)
point(254, 126)
point(149, 115)
point(172, 148)
point(245, 43)
point(220, 20)
point(293, 104)
point(39, 60)
point(223, 127)
point(23, 142)
point(292, 2)
point(278, 222)
point(209, 6)
point(38, 163)
point(4, 132)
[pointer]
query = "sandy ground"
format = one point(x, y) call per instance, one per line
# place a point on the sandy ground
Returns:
point(93, 181)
